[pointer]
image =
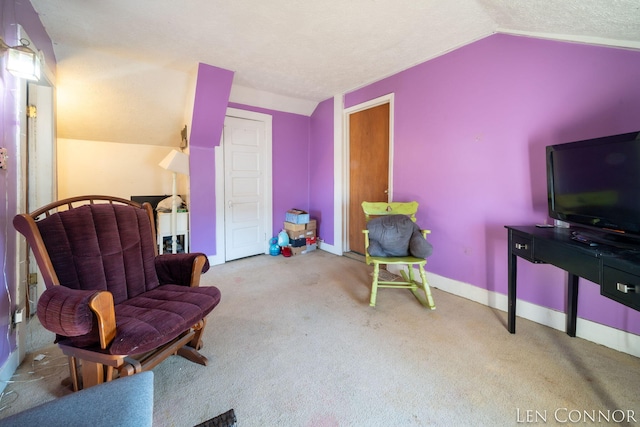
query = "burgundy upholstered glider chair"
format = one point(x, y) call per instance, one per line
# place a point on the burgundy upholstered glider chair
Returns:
point(117, 308)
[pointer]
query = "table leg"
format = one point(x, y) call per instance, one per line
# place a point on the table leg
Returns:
point(572, 304)
point(511, 291)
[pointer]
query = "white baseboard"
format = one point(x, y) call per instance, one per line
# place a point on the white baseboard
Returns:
point(607, 336)
point(329, 248)
point(219, 259)
point(215, 259)
point(8, 369)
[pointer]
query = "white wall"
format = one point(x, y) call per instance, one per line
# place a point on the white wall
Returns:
point(114, 169)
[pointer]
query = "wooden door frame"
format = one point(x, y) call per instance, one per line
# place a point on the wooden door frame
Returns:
point(384, 99)
point(220, 257)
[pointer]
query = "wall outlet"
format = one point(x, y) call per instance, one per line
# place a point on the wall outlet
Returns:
point(18, 317)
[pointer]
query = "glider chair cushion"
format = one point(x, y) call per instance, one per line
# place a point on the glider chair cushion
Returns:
point(147, 320)
point(111, 300)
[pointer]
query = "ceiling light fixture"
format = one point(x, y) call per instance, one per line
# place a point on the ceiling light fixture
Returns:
point(22, 61)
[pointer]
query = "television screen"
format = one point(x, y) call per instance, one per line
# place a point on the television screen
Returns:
point(596, 183)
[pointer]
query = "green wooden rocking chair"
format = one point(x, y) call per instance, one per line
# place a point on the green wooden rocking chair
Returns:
point(376, 209)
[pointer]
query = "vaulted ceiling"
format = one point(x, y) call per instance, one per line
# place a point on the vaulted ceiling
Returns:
point(126, 68)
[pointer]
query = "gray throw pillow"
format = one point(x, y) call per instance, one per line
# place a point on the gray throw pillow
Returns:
point(396, 236)
point(419, 247)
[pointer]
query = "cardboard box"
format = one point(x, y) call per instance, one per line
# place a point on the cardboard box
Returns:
point(308, 234)
point(296, 243)
point(310, 248)
point(297, 216)
point(299, 234)
point(298, 251)
point(290, 226)
point(312, 224)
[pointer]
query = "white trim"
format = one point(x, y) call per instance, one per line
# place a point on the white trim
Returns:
point(607, 336)
point(623, 44)
point(338, 143)
point(259, 98)
point(219, 257)
point(250, 115)
point(8, 369)
point(343, 179)
point(369, 104)
point(332, 249)
point(19, 94)
point(344, 182)
point(267, 119)
point(215, 259)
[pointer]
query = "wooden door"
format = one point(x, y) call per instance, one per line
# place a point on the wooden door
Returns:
point(368, 167)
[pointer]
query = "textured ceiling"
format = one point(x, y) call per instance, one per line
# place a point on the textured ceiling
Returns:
point(119, 59)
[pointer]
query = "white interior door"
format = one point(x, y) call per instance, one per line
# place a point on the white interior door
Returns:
point(247, 187)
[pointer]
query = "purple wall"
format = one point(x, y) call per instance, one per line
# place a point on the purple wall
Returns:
point(471, 127)
point(12, 13)
point(321, 169)
point(290, 157)
point(213, 87)
point(470, 132)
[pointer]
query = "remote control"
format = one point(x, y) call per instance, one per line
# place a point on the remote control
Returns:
point(577, 237)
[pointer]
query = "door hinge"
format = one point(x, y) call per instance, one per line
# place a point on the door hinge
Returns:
point(32, 111)
point(33, 278)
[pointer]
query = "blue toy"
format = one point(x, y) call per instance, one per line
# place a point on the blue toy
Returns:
point(274, 249)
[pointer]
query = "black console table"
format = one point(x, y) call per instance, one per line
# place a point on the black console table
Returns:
point(613, 266)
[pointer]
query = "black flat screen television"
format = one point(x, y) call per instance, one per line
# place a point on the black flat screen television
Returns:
point(595, 183)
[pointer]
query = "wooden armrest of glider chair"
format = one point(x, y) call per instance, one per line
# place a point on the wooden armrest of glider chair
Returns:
point(181, 269)
point(70, 312)
point(114, 304)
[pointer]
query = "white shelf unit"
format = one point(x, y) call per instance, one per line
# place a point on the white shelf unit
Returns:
point(164, 228)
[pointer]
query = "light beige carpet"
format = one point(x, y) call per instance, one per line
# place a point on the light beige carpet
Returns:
point(295, 343)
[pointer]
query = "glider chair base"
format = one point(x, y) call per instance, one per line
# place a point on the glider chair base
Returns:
point(96, 367)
